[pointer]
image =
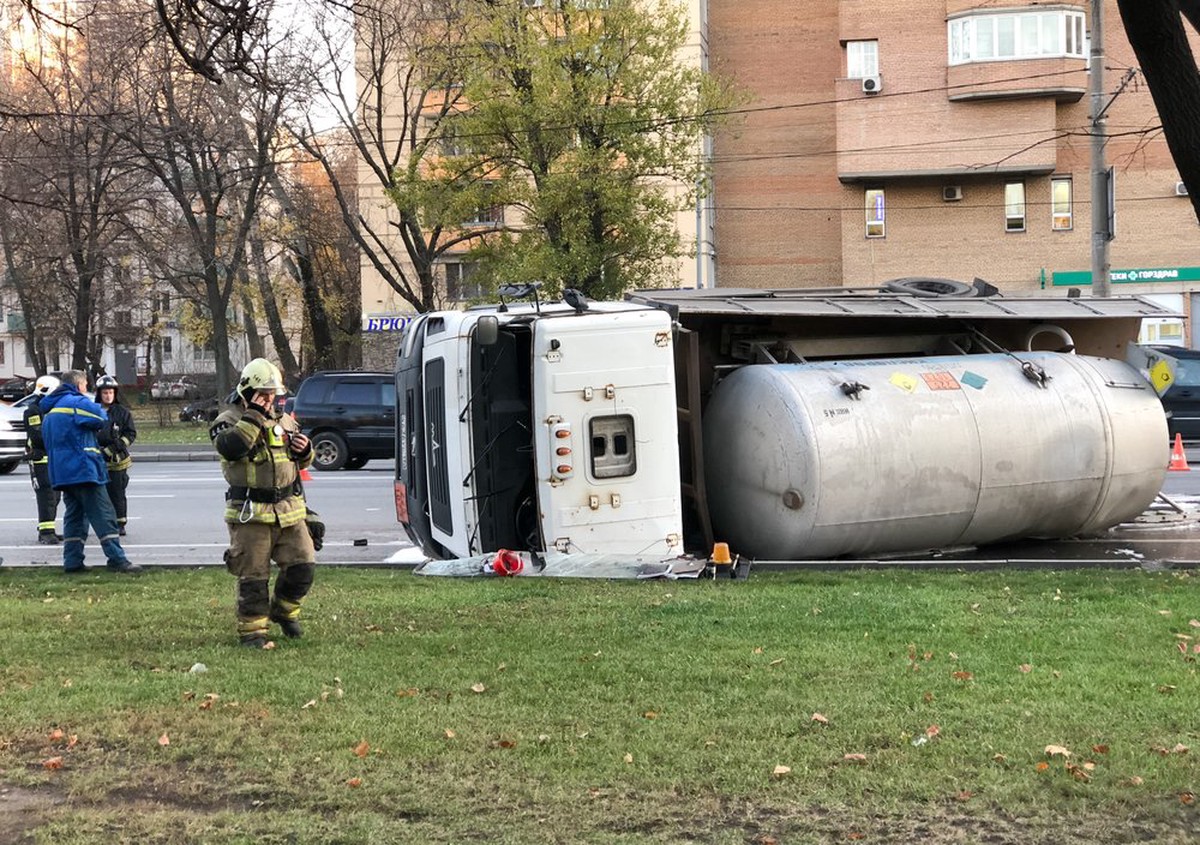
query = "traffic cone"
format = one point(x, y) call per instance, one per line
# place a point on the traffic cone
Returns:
point(1178, 458)
point(305, 475)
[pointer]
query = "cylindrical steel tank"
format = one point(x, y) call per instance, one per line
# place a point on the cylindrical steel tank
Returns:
point(927, 453)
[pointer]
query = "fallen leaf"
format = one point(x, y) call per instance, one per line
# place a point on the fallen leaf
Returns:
point(506, 743)
point(312, 702)
point(1057, 751)
point(818, 717)
point(53, 763)
point(1196, 648)
point(1183, 649)
point(407, 693)
point(1042, 766)
point(1179, 748)
point(776, 661)
point(1134, 781)
point(478, 688)
point(1195, 623)
point(188, 695)
point(999, 758)
point(965, 795)
point(854, 836)
point(501, 667)
point(927, 697)
point(1166, 689)
point(1056, 673)
point(855, 758)
point(758, 650)
point(56, 735)
point(649, 714)
point(1164, 613)
point(1183, 636)
point(932, 731)
point(1078, 773)
point(72, 740)
point(962, 676)
point(1025, 668)
point(1187, 798)
point(269, 645)
point(354, 783)
point(953, 656)
point(164, 740)
point(1100, 749)
point(450, 734)
point(628, 758)
point(780, 771)
point(543, 738)
point(361, 749)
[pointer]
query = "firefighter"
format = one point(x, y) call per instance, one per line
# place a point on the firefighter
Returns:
point(262, 454)
point(39, 473)
point(115, 441)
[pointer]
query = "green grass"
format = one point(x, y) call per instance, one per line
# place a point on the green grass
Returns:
point(609, 712)
point(158, 424)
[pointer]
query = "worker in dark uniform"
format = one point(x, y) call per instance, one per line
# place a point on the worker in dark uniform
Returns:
point(115, 441)
point(262, 454)
point(39, 473)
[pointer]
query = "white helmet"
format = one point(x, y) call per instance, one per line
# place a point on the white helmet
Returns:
point(260, 374)
point(45, 384)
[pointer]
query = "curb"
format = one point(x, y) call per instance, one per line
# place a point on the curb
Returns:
point(156, 457)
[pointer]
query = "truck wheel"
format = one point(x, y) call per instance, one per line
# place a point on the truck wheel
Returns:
point(330, 451)
point(920, 286)
point(356, 463)
point(8, 466)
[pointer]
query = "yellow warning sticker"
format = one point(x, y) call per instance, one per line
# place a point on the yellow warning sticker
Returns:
point(904, 381)
point(1160, 376)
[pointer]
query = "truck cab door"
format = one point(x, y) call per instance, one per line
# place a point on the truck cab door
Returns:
point(605, 431)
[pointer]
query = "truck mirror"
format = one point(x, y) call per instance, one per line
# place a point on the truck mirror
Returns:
point(487, 331)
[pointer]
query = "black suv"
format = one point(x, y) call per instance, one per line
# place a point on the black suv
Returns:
point(1181, 400)
point(349, 416)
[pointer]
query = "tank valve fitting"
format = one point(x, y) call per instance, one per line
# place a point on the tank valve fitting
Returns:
point(854, 389)
point(793, 500)
point(1035, 373)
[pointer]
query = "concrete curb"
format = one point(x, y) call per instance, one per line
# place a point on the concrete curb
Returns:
point(155, 457)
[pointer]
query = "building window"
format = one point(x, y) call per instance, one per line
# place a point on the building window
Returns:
point(203, 352)
point(614, 452)
point(1060, 204)
point(122, 318)
point(163, 344)
point(1016, 35)
point(1, 352)
point(459, 286)
point(162, 302)
point(1014, 207)
point(875, 212)
point(862, 59)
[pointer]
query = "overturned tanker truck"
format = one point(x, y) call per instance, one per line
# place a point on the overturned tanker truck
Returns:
point(791, 424)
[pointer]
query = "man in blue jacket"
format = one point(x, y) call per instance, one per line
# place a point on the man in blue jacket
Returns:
point(69, 424)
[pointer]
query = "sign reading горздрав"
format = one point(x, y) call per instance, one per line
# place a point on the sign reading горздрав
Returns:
point(386, 322)
point(1147, 275)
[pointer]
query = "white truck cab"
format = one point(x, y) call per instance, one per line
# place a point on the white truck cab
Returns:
point(539, 427)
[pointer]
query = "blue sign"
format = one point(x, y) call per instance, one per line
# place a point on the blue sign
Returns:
point(387, 322)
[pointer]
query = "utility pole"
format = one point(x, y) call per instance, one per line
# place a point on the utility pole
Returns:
point(1100, 192)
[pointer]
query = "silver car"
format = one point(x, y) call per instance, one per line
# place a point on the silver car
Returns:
point(12, 435)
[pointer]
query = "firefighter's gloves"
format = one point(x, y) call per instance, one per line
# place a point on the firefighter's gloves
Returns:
point(298, 443)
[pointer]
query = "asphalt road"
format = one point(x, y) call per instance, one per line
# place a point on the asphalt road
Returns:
point(175, 517)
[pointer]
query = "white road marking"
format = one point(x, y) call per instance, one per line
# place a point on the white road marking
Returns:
point(151, 496)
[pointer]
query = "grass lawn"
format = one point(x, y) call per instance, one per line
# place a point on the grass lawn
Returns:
point(876, 707)
point(158, 423)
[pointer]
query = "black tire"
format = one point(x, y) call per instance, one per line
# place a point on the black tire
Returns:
point(8, 466)
point(920, 286)
point(330, 451)
point(357, 462)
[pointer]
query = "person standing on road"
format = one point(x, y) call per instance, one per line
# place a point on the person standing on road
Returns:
point(115, 441)
point(262, 454)
point(39, 473)
point(70, 422)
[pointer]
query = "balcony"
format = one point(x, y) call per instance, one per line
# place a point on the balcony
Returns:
point(1063, 79)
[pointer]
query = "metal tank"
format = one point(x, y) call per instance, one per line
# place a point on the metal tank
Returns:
point(814, 461)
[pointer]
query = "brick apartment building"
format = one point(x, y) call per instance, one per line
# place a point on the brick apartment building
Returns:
point(910, 137)
point(914, 138)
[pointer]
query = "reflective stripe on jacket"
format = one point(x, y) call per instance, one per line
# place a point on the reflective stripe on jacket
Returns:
point(116, 439)
point(254, 454)
point(69, 424)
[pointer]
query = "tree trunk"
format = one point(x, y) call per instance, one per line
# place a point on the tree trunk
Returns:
point(1155, 30)
point(254, 341)
point(283, 347)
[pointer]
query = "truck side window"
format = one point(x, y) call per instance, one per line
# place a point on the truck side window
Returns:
point(613, 454)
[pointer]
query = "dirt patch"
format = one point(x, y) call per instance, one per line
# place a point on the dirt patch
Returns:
point(23, 810)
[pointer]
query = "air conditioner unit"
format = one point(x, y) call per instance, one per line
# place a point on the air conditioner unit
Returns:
point(872, 84)
point(951, 193)
point(1180, 189)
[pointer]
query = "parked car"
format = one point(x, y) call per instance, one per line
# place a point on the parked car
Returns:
point(1181, 400)
point(12, 437)
point(200, 410)
point(183, 388)
point(14, 388)
point(349, 416)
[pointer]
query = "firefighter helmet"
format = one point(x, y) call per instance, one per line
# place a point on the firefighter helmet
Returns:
point(260, 374)
point(45, 384)
point(107, 381)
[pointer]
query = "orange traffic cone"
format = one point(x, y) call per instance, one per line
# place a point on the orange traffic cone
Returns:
point(1178, 458)
point(305, 475)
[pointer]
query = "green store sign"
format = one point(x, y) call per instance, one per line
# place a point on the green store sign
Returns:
point(1145, 276)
